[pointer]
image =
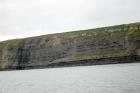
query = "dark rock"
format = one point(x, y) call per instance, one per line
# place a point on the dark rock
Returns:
point(115, 44)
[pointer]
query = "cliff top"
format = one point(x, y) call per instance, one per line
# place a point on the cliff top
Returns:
point(130, 30)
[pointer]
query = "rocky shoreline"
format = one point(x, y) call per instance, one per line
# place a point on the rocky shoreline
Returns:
point(88, 62)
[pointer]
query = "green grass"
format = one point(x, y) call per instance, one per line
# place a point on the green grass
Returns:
point(104, 32)
point(114, 31)
point(9, 43)
point(134, 34)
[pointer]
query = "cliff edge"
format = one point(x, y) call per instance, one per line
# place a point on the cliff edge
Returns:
point(114, 44)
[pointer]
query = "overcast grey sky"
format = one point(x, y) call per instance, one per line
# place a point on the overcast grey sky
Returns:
point(24, 18)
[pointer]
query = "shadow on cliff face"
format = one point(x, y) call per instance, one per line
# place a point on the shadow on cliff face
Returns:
point(23, 58)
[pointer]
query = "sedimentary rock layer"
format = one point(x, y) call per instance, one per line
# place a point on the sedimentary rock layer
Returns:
point(114, 44)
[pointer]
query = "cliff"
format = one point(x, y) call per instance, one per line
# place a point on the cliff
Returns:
point(114, 44)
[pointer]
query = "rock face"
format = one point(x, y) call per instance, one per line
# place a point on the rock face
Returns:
point(114, 44)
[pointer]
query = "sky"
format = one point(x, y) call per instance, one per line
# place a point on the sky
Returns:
point(26, 18)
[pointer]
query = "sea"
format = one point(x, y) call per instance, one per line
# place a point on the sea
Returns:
point(112, 78)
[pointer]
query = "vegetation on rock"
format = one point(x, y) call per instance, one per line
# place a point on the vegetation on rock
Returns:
point(105, 42)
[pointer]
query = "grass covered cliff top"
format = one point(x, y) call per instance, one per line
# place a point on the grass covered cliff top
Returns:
point(7, 43)
point(128, 30)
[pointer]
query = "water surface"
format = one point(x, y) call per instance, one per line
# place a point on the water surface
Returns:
point(116, 78)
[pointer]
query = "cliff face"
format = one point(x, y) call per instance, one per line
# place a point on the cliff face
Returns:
point(72, 47)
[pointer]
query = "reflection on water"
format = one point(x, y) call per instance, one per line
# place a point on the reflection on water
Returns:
point(116, 78)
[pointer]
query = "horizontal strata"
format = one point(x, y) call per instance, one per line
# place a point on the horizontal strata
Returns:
point(114, 44)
